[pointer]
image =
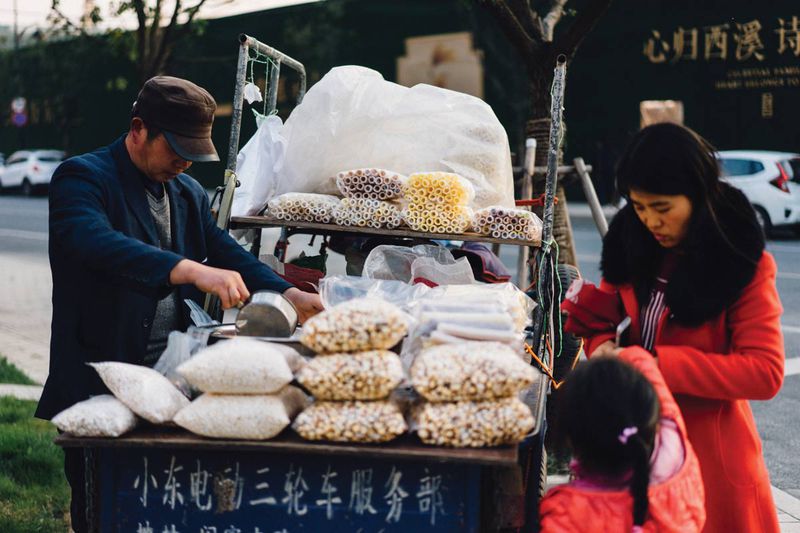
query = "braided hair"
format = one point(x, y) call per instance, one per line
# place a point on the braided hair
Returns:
point(608, 415)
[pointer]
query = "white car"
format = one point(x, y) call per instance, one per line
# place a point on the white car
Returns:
point(30, 170)
point(770, 180)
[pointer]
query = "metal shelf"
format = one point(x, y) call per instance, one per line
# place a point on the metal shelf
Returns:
point(256, 222)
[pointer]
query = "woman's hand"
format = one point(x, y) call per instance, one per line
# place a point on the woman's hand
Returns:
point(607, 349)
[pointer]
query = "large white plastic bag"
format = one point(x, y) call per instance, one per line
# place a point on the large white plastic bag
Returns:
point(257, 168)
point(99, 416)
point(353, 118)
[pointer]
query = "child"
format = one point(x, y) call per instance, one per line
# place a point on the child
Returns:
point(634, 468)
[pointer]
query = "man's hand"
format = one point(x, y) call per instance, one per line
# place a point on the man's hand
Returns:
point(607, 349)
point(306, 303)
point(227, 285)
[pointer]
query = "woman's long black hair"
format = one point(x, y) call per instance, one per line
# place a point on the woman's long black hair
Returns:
point(600, 399)
point(724, 242)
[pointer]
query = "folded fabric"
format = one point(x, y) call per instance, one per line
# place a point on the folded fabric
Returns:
point(591, 310)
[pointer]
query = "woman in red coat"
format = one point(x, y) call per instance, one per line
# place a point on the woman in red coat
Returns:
point(687, 258)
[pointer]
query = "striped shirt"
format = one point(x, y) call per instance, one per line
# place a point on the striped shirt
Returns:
point(655, 308)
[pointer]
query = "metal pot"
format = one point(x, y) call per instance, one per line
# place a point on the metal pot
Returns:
point(267, 314)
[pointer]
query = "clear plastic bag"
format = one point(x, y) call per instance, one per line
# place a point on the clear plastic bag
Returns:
point(180, 348)
point(99, 416)
point(353, 118)
point(397, 262)
point(366, 212)
point(355, 326)
point(242, 416)
point(518, 304)
point(507, 223)
point(303, 207)
point(358, 376)
point(470, 371)
point(473, 424)
point(456, 273)
point(355, 421)
point(373, 183)
point(438, 202)
point(334, 290)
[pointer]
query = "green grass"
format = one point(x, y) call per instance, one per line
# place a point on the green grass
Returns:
point(11, 374)
point(34, 495)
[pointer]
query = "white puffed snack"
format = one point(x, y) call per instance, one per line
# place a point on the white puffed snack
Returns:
point(242, 416)
point(470, 371)
point(146, 392)
point(366, 212)
point(359, 376)
point(507, 223)
point(99, 416)
point(356, 421)
point(473, 424)
point(355, 326)
point(238, 366)
point(374, 183)
point(303, 207)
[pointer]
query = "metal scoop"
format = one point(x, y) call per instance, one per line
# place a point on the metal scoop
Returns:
point(267, 314)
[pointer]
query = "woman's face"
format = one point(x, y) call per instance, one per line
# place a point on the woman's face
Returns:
point(666, 216)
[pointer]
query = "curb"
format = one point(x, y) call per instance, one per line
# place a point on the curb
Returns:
point(22, 392)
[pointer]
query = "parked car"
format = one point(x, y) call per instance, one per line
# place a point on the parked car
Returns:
point(30, 170)
point(770, 180)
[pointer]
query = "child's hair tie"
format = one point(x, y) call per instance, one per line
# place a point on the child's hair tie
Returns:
point(627, 433)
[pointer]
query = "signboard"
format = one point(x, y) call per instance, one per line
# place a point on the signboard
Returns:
point(19, 119)
point(166, 491)
point(18, 105)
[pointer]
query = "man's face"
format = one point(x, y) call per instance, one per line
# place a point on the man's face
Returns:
point(159, 162)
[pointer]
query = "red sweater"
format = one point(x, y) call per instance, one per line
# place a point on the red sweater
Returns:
point(676, 505)
point(713, 370)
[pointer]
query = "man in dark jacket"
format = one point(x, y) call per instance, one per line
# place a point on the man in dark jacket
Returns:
point(131, 236)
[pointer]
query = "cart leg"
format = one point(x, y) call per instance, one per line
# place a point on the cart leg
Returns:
point(89, 475)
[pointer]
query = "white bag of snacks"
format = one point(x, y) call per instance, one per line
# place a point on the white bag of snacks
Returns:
point(358, 376)
point(507, 223)
point(367, 213)
point(356, 421)
point(470, 371)
point(146, 392)
point(303, 207)
point(473, 424)
point(374, 183)
point(242, 416)
point(99, 416)
point(355, 326)
point(238, 366)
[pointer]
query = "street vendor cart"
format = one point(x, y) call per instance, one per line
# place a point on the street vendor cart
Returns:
point(162, 479)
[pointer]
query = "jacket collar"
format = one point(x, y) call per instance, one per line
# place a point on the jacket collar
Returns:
point(131, 180)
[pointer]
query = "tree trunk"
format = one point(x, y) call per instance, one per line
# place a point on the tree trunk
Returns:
point(539, 128)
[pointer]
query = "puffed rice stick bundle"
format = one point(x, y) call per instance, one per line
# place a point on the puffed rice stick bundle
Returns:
point(303, 207)
point(369, 375)
point(443, 219)
point(355, 326)
point(374, 183)
point(365, 212)
point(507, 223)
point(473, 424)
point(470, 371)
point(433, 190)
point(355, 421)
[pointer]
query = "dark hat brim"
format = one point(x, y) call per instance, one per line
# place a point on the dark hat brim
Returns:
point(197, 150)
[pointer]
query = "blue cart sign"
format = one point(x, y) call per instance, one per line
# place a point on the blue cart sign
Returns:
point(147, 490)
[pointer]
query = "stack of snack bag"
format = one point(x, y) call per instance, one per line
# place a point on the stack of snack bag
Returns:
point(471, 391)
point(438, 202)
point(303, 207)
point(369, 195)
point(246, 390)
point(507, 223)
point(353, 374)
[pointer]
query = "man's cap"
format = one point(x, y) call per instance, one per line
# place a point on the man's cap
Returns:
point(185, 113)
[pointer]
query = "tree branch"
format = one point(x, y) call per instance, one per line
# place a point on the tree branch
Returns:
point(164, 45)
point(141, 37)
point(527, 17)
point(552, 18)
point(153, 44)
point(512, 27)
point(60, 17)
point(580, 28)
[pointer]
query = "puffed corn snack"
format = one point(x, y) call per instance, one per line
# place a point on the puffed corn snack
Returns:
point(359, 376)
